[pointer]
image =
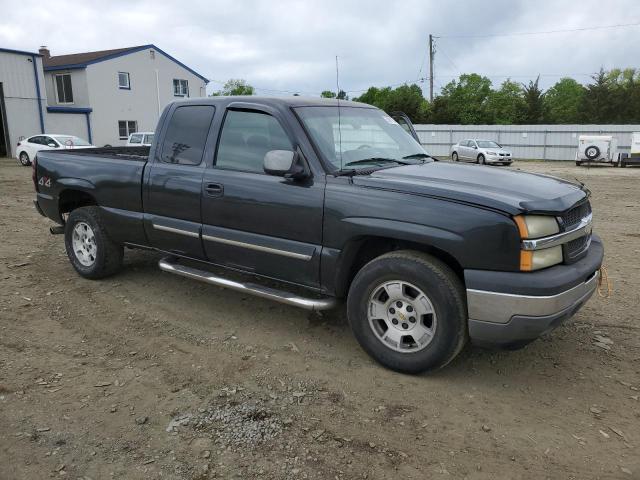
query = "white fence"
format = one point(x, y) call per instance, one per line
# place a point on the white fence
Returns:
point(544, 142)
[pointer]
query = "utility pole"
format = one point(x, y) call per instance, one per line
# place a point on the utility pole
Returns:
point(431, 54)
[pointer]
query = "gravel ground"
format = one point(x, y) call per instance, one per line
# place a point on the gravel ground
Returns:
point(148, 375)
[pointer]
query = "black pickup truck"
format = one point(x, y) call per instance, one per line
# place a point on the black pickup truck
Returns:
point(330, 200)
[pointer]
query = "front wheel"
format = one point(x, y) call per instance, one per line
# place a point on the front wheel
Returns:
point(482, 160)
point(24, 159)
point(91, 252)
point(407, 310)
point(454, 157)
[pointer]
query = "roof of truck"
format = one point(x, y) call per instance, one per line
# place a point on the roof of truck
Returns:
point(292, 101)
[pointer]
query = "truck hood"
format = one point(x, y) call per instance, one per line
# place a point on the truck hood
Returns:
point(510, 191)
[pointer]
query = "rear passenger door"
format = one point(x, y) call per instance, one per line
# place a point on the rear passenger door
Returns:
point(256, 222)
point(173, 182)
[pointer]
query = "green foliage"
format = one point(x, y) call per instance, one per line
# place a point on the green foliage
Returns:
point(467, 99)
point(506, 105)
point(562, 101)
point(534, 112)
point(611, 97)
point(406, 98)
point(235, 87)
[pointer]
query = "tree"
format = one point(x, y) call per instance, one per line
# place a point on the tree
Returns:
point(562, 101)
point(598, 105)
point(465, 101)
point(406, 98)
point(328, 94)
point(235, 87)
point(506, 105)
point(534, 103)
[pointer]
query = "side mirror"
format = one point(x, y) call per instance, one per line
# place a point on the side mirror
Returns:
point(474, 147)
point(285, 163)
point(52, 145)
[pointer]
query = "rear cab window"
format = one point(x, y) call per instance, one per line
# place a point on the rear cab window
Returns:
point(186, 134)
point(135, 139)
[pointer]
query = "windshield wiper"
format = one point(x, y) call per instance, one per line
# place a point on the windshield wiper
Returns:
point(417, 155)
point(376, 160)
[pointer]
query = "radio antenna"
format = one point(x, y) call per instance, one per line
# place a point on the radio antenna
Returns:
point(339, 123)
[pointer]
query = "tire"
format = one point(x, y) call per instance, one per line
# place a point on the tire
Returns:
point(578, 163)
point(454, 157)
point(592, 152)
point(24, 159)
point(623, 164)
point(481, 159)
point(416, 272)
point(94, 255)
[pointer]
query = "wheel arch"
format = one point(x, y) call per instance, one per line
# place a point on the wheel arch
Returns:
point(361, 250)
point(70, 199)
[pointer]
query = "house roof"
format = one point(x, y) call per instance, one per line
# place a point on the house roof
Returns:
point(19, 52)
point(82, 60)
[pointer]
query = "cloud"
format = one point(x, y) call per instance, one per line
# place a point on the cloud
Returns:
point(290, 46)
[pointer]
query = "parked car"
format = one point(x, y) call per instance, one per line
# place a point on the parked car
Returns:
point(426, 253)
point(480, 151)
point(597, 149)
point(27, 149)
point(140, 139)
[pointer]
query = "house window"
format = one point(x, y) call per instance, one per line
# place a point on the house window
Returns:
point(64, 91)
point(126, 128)
point(180, 88)
point(123, 81)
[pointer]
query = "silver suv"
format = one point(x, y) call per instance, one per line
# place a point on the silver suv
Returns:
point(480, 151)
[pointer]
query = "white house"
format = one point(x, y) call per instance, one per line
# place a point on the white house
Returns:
point(101, 96)
point(104, 96)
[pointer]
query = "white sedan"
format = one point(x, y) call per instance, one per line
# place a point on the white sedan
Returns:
point(28, 148)
point(480, 151)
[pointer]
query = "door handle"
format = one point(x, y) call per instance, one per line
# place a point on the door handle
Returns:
point(214, 189)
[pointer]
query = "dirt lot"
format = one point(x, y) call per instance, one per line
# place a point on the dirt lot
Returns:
point(148, 375)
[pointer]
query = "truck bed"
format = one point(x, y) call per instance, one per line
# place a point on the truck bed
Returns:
point(110, 178)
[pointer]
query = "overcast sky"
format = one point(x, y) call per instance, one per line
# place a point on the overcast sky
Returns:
point(291, 46)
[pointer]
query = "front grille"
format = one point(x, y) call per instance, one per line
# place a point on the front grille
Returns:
point(572, 217)
point(577, 248)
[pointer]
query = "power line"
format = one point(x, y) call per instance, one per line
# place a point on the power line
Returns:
point(547, 32)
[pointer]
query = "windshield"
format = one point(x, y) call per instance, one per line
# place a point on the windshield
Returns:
point(70, 140)
point(487, 144)
point(360, 138)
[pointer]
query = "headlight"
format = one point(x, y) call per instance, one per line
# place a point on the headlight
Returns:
point(536, 226)
point(536, 259)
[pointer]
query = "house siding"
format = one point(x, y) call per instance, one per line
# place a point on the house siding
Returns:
point(111, 104)
point(20, 95)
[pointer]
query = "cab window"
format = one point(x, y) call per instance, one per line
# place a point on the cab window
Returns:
point(246, 138)
point(186, 134)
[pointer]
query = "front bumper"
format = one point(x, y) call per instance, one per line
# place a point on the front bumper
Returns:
point(512, 309)
point(497, 159)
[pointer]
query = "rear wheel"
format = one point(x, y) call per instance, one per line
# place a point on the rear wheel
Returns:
point(91, 252)
point(407, 311)
point(454, 157)
point(578, 163)
point(24, 159)
point(482, 160)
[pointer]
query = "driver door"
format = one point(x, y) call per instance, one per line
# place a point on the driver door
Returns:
point(254, 222)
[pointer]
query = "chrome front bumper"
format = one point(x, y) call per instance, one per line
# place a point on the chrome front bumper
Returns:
point(500, 308)
point(509, 310)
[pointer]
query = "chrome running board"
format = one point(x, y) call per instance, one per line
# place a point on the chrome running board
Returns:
point(171, 266)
